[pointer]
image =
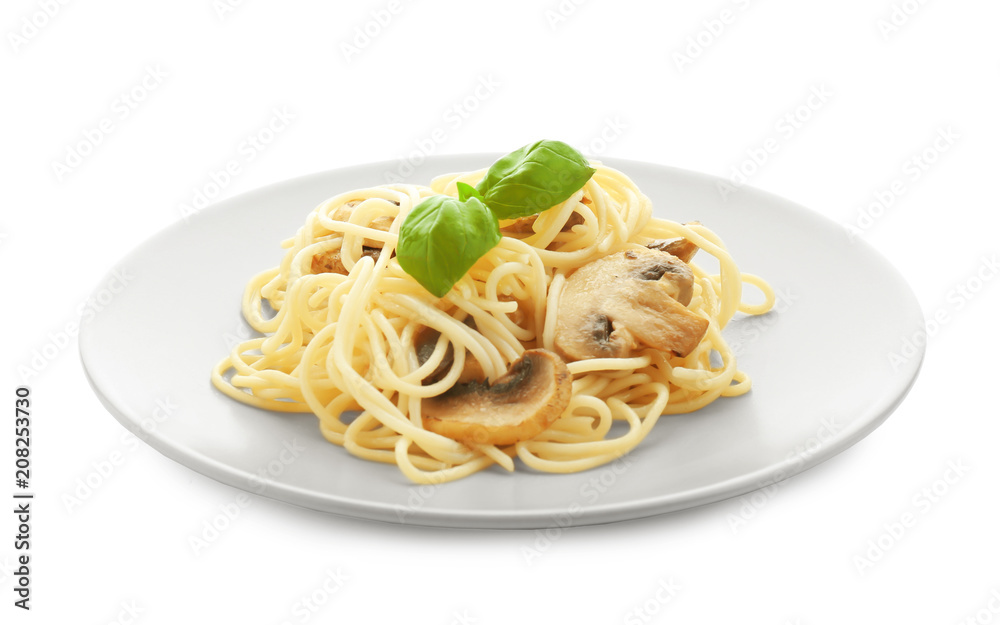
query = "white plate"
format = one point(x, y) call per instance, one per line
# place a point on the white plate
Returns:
point(822, 365)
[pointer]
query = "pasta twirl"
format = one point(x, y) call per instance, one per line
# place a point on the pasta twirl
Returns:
point(341, 328)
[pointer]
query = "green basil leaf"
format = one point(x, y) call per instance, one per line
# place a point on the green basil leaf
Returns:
point(466, 191)
point(533, 179)
point(442, 237)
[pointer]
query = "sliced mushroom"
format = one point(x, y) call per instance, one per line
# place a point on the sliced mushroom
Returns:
point(610, 306)
point(526, 225)
point(382, 222)
point(517, 406)
point(674, 273)
point(679, 247)
point(425, 341)
point(520, 315)
point(330, 262)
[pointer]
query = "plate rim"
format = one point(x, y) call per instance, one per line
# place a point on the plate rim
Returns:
point(471, 518)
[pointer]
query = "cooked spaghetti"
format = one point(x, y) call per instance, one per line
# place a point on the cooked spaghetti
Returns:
point(351, 337)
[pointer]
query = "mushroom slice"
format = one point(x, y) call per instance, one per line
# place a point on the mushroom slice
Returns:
point(611, 305)
point(672, 272)
point(526, 225)
point(425, 341)
point(516, 407)
point(382, 222)
point(522, 313)
point(679, 247)
point(330, 262)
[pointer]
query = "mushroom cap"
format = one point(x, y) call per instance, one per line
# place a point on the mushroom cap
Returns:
point(611, 305)
point(679, 247)
point(518, 406)
point(526, 225)
point(330, 262)
point(425, 340)
point(381, 222)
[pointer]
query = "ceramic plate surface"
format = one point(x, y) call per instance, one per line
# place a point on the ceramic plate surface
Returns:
point(821, 367)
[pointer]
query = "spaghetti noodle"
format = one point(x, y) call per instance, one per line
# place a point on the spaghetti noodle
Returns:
point(341, 326)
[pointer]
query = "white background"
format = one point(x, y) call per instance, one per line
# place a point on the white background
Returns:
point(214, 74)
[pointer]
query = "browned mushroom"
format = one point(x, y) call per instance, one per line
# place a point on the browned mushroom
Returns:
point(679, 247)
point(517, 406)
point(525, 225)
point(330, 262)
point(611, 305)
point(382, 222)
point(521, 314)
point(425, 341)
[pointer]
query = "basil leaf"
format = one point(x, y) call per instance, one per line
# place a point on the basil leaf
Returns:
point(441, 238)
point(466, 191)
point(533, 179)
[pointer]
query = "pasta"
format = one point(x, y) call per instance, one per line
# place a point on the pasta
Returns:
point(344, 330)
